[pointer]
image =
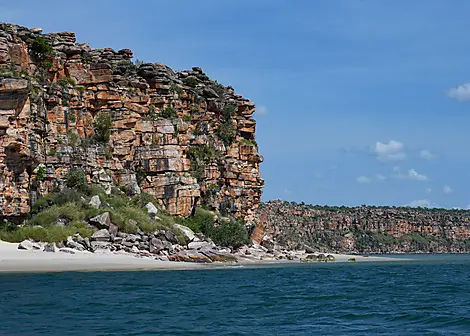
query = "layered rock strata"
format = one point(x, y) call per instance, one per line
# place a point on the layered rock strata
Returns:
point(363, 229)
point(178, 135)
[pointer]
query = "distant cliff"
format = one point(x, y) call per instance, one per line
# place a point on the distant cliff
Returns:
point(140, 126)
point(363, 229)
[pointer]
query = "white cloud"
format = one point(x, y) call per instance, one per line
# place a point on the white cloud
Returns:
point(428, 190)
point(391, 151)
point(380, 177)
point(447, 189)
point(363, 179)
point(414, 175)
point(261, 110)
point(424, 203)
point(425, 154)
point(460, 93)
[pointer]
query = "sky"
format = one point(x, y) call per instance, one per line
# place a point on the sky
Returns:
point(358, 102)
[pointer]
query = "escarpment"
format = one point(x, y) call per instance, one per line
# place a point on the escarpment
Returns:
point(363, 229)
point(143, 127)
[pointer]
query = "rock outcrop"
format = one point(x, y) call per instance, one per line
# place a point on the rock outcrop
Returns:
point(179, 136)
point(363, 229)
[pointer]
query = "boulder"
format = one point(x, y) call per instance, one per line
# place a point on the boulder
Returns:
point(200, 245)
point(352, 260)
point(102, 221)
point(101, 236)
point(151, 209)
point(329, 257)
point(95, 202)
point(49, 247)
point(25, 245)
point(156, 245)
point(70, 243)
point(219, 256)
point(188, 234)
point(166, 235)
point(67, 250)
point(101, 245)
point(135, 249)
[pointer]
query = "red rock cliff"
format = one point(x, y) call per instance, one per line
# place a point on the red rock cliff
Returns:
point(145, 127)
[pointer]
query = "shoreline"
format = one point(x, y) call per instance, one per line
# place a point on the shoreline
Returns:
point(13, 260)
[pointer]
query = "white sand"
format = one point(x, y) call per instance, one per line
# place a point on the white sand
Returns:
point(14, 260)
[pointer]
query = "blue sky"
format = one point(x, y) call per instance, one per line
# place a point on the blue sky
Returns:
point(359, 102)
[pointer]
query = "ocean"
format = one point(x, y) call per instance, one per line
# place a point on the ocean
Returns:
point(427, 296)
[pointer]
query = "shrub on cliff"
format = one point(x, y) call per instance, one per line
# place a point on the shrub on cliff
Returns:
point(76, 179)
point(41, 48)
point(227, 132)
point(102, 127)
point(169, 113)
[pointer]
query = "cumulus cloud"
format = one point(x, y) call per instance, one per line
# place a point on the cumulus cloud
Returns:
point(380, 177)
point(428, 190)
point(414, 175)
point(391, 151)
point(425, 154)
point(460, 93)
point(424, 203)
point(363, 179)
point(447, 189)
point(261, 110)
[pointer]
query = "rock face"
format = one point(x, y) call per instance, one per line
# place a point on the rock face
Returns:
point(363, 229)
point(177, 135)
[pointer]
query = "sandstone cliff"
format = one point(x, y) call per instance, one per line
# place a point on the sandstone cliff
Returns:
point(144, 127)
point(363, 229)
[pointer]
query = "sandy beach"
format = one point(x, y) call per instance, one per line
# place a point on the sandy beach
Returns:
point(14, 260)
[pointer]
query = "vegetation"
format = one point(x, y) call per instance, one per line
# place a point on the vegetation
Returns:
point(41, 173)
point(102, 127)
point(175, 88)
point(169, 113)
point(200, 157)
point(226, 233)
point(191, 81)
point(41, 48)
point(227, 131)
point(66, 81)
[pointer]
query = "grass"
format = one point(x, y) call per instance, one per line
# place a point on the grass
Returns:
point(50, 234)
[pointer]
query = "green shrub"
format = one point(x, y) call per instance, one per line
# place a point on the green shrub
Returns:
point(219, 89)
point(76, 179)
point(191, 81)
point(169, 113)
point(66, 81)
point(49, 216)
point(227, 132)
point(102, 126)
point(41, 173)
point(175, 88)
point(41, 48)
point(230, 233)
point(202, 221)
point(200, 156)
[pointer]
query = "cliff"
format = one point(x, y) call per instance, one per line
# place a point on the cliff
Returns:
point(363, 229)
point(179, 136)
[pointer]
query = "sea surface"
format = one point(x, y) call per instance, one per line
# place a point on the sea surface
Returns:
point(427, 296)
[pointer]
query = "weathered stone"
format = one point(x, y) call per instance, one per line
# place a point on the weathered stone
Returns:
point(188, 234)
point(25, 245)
point(49, 247)
point(156, 245)
point(151, 209)
point(95, 202)
point(101, 235)
point(101, 221)
point(73, 244)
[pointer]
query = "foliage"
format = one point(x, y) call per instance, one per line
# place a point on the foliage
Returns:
point(41, 173)
point(66, 81)
point(175, 88)
point(169, 113)
point(200, 156)
point(249, 142)
point(72, 138)
point(125, 68)
point(191, 81)
point(41, 48)
point(86, 57)
point(102, 126)
point(219, 89)
point(76, 179)
point(49, 234)
point(226, 233)
point(187, 118)
point(227, 132)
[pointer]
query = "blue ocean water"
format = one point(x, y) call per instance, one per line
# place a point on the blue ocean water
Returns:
point(429, 296)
